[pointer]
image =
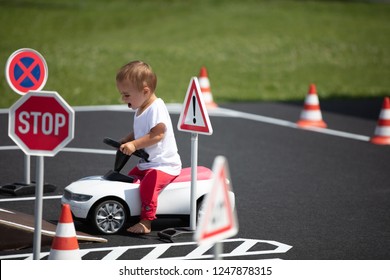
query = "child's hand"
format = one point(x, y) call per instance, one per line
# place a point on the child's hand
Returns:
point(128, 148)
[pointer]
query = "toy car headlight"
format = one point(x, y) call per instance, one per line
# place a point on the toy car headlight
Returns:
point(77, 196)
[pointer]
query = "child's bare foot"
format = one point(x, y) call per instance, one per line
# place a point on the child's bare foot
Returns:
point(143, 227)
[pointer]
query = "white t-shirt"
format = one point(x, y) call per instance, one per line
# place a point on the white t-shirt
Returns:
point(163, 155)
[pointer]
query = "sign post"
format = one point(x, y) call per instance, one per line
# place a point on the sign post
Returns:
point(194, 176)
point(220, 219)
point(195, 119)
point(41, 124)
point(26, 70)
point(38, 207)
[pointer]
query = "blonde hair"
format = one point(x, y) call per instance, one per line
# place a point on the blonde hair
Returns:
point(139, 73)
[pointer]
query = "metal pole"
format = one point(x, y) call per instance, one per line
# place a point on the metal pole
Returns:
point(194, 176)
point(27, 166)
point(38, 207)
point(218, 250)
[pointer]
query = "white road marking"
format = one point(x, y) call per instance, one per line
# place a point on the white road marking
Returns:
point(9, 148)
point(159, 249)
point(29, 198)
point(156, 252)
point(88, 151)
point(175, 108)
point(69, 150)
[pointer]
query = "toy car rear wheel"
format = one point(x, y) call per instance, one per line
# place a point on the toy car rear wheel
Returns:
point(200, 209)
point(109, 216)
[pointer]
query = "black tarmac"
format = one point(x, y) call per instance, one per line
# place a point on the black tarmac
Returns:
point(325, 195)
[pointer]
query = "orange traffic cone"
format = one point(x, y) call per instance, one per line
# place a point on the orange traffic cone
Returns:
point(382, 130)
point(204, 84)
point(311, 113)
point(65, 245)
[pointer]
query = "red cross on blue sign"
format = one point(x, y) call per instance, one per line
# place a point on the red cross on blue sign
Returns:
point(26, 70)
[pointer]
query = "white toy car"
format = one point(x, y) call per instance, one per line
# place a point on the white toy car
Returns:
point(109, 201)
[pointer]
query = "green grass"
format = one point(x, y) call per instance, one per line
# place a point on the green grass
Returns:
point(253, 50)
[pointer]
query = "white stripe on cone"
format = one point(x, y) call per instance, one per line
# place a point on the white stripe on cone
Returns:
point(65, 230)
point(204, 82)
point(64, 254)
point(385, 114)
point(382, 131)
point(312, 99)
point(313, 115)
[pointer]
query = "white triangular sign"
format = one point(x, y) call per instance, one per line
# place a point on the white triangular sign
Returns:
point(219, 220)
point(194, 116)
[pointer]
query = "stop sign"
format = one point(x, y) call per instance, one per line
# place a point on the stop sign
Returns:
point(41, 123)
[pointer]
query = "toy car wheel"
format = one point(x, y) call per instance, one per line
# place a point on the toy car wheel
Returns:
point(109, 216)
point(200, 209)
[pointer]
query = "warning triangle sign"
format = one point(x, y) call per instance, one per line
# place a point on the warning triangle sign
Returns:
point(194, 116)
point(219, 220)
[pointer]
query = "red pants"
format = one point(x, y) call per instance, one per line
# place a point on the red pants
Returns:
point(152, 183)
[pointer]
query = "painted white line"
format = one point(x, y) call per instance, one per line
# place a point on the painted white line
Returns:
point(29, 198)
point(199, 251)
point(69, 150)
point(157, 252)
point(259, 118)
point(244, 247)
point(175, 108)
point(159, 249)
point(114, 254)
point(9, 148)
point(340, 133)
point(115, 108)
point(88, 151)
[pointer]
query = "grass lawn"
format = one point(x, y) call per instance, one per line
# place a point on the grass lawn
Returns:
point(253, 50)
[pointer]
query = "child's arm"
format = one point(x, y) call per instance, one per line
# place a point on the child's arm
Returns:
point(127, 138)
point(154, 136)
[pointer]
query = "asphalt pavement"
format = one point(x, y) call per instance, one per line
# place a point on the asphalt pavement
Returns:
point(325, 195)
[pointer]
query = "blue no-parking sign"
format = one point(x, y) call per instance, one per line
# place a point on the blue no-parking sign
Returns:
point(26, 70)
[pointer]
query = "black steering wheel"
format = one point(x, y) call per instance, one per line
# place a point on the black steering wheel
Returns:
point(115, 144)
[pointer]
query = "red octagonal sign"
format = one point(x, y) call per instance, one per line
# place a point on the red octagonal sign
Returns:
point(41, 123)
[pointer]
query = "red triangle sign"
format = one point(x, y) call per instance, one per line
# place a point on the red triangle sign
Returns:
point(194, 116)
point(219, 220)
